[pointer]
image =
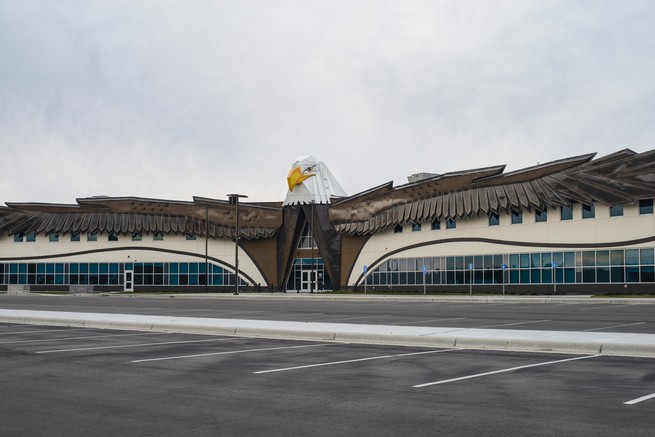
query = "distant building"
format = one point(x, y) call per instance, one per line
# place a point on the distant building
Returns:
point(575, 225)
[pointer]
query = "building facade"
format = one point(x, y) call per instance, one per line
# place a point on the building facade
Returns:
point(576, 225)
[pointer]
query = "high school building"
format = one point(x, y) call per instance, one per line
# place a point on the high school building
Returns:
point(575, 225)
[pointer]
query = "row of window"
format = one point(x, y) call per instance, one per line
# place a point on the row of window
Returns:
point(30, 237)
point(595, 266)
point(566, 213)
point(113, 274)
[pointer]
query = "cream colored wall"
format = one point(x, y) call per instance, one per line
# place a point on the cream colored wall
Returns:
point(601, 229)
point(129, 251)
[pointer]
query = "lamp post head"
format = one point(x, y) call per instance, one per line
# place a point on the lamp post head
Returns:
point(234, 198)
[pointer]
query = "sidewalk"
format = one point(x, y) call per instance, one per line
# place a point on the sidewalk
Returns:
point(459, 298)
point(620, 344)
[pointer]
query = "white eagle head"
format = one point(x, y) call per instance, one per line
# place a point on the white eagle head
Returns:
point(310, 181)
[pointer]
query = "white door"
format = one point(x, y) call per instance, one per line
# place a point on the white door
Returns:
point(129, 280)
point(306, 281)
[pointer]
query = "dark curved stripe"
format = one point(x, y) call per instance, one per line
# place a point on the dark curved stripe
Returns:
point(507, 243)
point(359, 252)
point(119, 249)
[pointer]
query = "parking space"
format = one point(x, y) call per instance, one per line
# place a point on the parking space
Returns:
point(68, 381)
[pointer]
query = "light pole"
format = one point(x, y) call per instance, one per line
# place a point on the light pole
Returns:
point(206, 249)
point(234, 200)
point(311, 273)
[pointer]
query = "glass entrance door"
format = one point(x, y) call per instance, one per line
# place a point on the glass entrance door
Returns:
point(306, 273)
point(308, 280)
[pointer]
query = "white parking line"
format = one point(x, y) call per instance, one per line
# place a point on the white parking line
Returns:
point(641, 399)
point(120, 346)
point(355, 318)
point(81, 338)
point(380, 357)
point(427, 321)
point(461, 378)
point(512, 324)
point(615, 326)
point(230, 352)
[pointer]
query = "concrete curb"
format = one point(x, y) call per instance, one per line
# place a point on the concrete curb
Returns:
point(619, 344)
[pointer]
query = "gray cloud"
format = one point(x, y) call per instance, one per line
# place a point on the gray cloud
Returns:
point(171, 99)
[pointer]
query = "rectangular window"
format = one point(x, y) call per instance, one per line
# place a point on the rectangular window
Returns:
point(617, 258)
point(632, 257)
point(54, 236)
point(616, 211)
point(566, 213)
point(113, 236)
point(136, 236)
point(436, 225)
point(416, 227)
point(158, 236)
point(540, 216)
point(646, 206)
point(75, 236)
point(30, 237)
point(603, 258)
point(588, 211)
point(646, 256)
point(18, 237)
point(450, 224)
point(92, 236)
point(494, 219)
point(517, 217)
point(190, 236)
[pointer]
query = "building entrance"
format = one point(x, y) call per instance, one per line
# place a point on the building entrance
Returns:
point(308, 280)
point(308, 276)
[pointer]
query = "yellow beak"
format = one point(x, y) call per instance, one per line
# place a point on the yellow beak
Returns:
point(296, 177)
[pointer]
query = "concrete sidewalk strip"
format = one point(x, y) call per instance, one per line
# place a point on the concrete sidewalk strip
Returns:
point(464, 299)
point(606, 343)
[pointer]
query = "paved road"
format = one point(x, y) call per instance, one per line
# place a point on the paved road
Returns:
point(593, 316)
point(58, 381)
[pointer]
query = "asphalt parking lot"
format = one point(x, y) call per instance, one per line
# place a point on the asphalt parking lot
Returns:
point(60, 381)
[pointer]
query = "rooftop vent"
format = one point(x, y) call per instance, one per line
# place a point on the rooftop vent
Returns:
point(418, 177)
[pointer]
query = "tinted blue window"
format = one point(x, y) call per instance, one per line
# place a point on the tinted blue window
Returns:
point(517, 217)
point(566, 213)
point(588, 211)
point(646, 206)
point(616, 211)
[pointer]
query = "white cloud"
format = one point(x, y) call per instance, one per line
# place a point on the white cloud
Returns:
point(171, 99)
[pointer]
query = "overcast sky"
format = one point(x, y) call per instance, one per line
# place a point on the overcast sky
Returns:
point(174, 98)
